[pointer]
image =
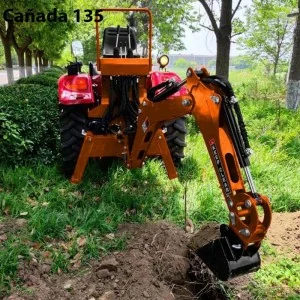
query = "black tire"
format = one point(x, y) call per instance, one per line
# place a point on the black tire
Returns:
point(72, 124)
point(175, 136)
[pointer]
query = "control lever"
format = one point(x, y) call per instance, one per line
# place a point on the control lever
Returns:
point(116, 49)
point(121, 49)
point(129, 51)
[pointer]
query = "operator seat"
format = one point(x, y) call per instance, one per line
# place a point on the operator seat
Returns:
point(110, 39)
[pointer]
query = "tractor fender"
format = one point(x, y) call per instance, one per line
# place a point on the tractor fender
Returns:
point(158, 77)
point(75, 89)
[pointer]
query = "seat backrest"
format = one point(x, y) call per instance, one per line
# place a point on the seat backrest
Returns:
point(110, 39)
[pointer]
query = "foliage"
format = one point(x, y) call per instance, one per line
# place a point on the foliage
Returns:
point(241, 62)
point(269, 32)
point(182, 63)
point(42, 79)
point(29, 120)
point(277, 280)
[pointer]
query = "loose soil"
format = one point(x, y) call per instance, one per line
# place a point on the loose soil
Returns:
point(154, 266)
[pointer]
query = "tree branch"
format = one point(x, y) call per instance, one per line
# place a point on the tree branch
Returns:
point(134, 2)
point(211, 17)
point(10, 29)
point(14, 43)
point(236, 8)
point(206, 27)
point(238, 33)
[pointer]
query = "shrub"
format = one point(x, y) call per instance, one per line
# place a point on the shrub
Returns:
point(42, 79)
point(28, 123)
point(48, 78)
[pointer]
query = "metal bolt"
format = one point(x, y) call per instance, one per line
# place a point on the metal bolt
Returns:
point(89, 139)
point(232, 218)
point(125, 147)
point(128, 165)
point(245, 232)
point(249, 151)
point(248, 203)
point(215, 99)
point(230, 203)
point(119, 141)
point(233, 100)
point(186, 102)
point(159, 137)
point(139, 111)
point(144, 103)
point(188, 73)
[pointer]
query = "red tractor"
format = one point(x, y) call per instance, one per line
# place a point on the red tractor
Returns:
point(129, 112)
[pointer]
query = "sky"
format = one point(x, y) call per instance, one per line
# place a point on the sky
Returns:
point(204, 42)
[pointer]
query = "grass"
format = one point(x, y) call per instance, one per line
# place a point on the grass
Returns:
point(277, 280)
point(70, 223)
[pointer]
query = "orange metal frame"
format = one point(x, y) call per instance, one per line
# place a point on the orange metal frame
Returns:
point(125, 66)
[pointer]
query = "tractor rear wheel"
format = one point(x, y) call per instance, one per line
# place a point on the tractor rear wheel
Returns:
point(72, 126)
point(175, 136)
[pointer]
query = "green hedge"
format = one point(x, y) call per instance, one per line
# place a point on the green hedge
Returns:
point(47, 78)
point(29, 131)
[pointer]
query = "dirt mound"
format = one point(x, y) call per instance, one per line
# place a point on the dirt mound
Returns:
point(154, 266)
point(284, 232)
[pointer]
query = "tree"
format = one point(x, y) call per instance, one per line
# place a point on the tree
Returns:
point(268, 35)
point(169, 21)
point(293, 87)
point(222, 26)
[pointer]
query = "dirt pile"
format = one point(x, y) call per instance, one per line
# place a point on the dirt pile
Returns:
point(153, 266)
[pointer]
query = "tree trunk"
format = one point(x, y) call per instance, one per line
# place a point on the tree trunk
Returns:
point(8, 62)
point(45, 62)
point(293, 86)
point(223, 56)
point(224, 39)
point(20, 49)
point(41, 68)
point(275, 66)
point(222, 32)
point(28, 59)
point(21, 61)
point(36, 63)
point(6, 37)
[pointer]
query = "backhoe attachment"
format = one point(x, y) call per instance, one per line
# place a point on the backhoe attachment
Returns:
point(220, 121)
point(219, 118)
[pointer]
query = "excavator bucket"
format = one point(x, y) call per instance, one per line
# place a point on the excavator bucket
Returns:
point(225, 256)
